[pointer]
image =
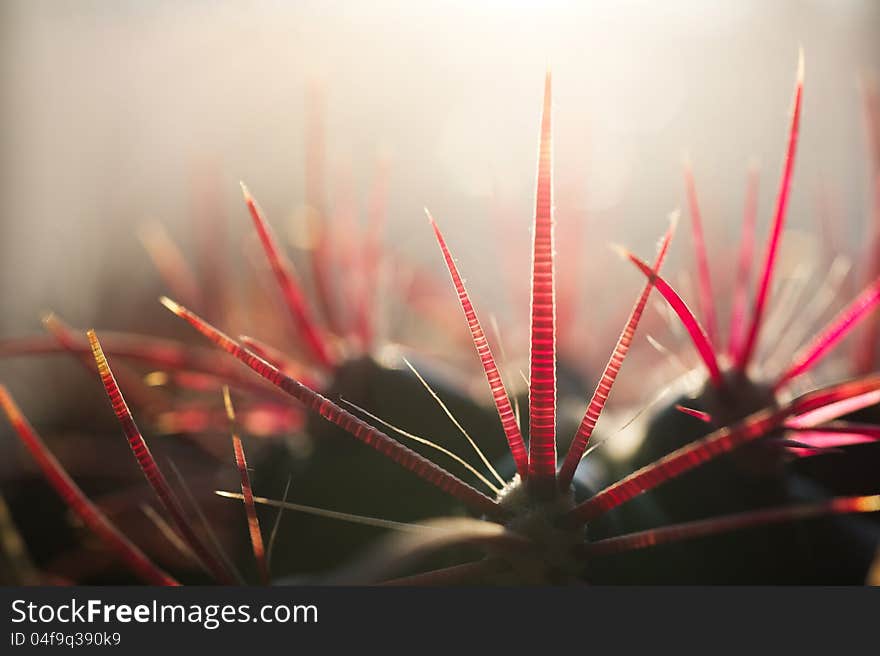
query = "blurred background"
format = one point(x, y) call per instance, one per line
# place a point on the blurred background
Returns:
point(112, 113)
point(109, 110)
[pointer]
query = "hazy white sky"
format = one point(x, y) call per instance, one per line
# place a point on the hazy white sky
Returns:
point(109, 107)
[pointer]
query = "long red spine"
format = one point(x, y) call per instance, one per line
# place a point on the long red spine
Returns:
point(675, 464)
point(839, 327)
point(496, 384)
point(744, 355)
point(360, 430)
point(693, 327)
point(603, 389)
point(720, 442)
point(290, 288)
point(542, 359)
point(739, 521)
point(151, 470)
